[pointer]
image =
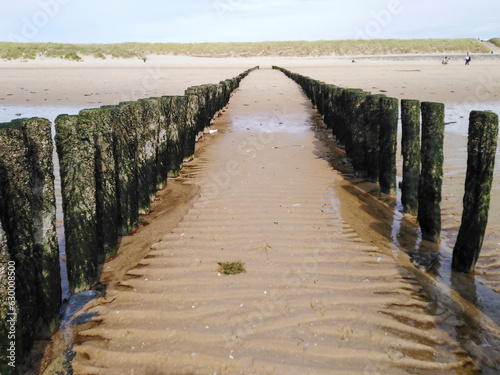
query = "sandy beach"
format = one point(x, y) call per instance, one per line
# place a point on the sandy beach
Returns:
point(96, 81)
point(324, 290)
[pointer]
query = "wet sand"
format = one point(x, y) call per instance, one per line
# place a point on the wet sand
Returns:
point(315, 298)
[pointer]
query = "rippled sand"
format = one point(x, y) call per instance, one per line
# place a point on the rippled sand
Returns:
point(315, 297)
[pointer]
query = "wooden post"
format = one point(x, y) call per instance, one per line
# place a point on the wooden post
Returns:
point(481, 150)
point(358, 134)
point(410, 149)
point(388, 140)
point(46, 249)
point(16, 216)
point(371, 108)
point(349, 106)
point(106, 190)
point(431, 176)
point(76, 149)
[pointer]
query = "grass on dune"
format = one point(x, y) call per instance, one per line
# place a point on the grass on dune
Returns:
point(495, 41)
point(10, 51)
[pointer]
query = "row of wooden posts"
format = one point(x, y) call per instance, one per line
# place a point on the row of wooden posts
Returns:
point(112, 161)
point(366, 126)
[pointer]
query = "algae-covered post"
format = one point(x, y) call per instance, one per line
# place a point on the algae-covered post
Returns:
point(29, 240)
point(145, 131)
point(76, 149)
point(410, 149)
point(328, 115)
point(336, 121)
point(481, 149)
point(147, 145)
point(372, 116)
point(191, 125)
point(348, 105)
point(358, 133)
point(431, 175)
point(388, 140)
point(38, 135)
point(16, 217)
point(161, 122)
point(174, 144)
point(106, 190)
point(125, 141)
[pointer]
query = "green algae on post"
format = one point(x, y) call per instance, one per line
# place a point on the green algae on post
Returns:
point(431, 175)
point(174, 147)
point(106, 189)
point(125, 140)
point(372, 116)
point(348, 105)
point(76, 149)
point(16, 216)
point(28, 239)
point(358, 134)
point(38, 137)
point(388, 140)
point(410, 149)
point(481, 150)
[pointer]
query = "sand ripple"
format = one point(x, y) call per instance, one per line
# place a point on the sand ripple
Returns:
point(315, 297)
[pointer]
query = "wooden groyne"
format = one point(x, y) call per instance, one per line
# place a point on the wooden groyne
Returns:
point(113, 160)
point(366, 126)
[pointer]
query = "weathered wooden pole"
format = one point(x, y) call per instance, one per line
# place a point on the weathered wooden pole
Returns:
point(106, 190)
point(481, 150)
point(29, 255)
point(38, 137)
point(160, 121)
point(410, 149)
point(76, 149)
point(388, 140)
point(431, 175)
point(328, 117)
point(175, 134)
point(336, 120)
point(358, 134)
point(126, 150)
point(16, 217)
point(371, 108)
point(349, 106)
point(191, 125)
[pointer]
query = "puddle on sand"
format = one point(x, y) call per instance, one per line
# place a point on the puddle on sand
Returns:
point(470, 311)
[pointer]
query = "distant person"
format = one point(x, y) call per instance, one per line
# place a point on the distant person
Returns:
point(445, 61)
point(467, 58)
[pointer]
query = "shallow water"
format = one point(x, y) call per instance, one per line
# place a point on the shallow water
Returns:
point(457, 115)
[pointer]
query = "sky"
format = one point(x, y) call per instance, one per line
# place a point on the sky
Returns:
point(196, 21)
